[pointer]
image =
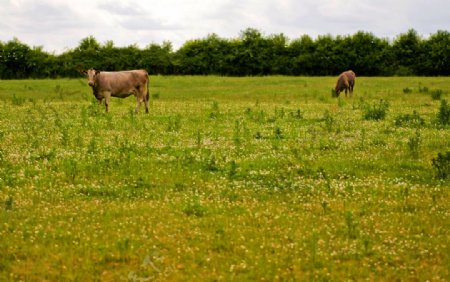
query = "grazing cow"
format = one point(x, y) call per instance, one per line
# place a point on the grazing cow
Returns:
point(346, 81)
point(119, 84)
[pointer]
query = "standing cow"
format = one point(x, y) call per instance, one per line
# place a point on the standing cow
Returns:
point(119, 84)
point(346, 81)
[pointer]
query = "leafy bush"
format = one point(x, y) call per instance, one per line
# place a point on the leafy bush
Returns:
point(246, 55)
point(442, 165)
point(376, 111)
point(423, 89)
point(436, 94)
point(407, 90)
point(413, 120)
point(443, 115)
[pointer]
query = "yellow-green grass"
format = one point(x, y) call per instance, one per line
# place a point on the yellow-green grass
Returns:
point(256, 178)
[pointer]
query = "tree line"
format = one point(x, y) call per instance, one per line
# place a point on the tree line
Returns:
point(250, 54)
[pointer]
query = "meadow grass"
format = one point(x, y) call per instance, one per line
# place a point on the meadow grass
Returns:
point(255, 178)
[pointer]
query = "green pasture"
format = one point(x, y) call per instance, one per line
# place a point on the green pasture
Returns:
point(227, 179)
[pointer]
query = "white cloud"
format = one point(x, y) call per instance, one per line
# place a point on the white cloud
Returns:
point(122, 8)
point(59, 24)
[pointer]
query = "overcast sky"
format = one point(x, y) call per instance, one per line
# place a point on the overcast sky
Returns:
point(58, 25)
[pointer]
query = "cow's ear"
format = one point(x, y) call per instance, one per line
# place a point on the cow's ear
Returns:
point(83, 72)
point(97, 72)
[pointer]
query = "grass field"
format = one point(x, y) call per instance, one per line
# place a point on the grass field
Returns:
point(234, 179)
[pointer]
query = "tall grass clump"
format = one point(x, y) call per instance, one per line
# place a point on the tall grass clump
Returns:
point(278, 133)
point(214, 114)
point(296, 114)
point(409, 120)
point(174, 123)
point(423, 89)
point(376, 111)
point(443, 116)
point(17, 101)
point(8, 205)
point(328, 120)
point(407, 90)
point(414, 144)
point(442, 165)
point(193, 207)
point(352, 227)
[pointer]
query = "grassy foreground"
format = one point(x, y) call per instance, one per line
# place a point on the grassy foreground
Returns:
point(237, 179)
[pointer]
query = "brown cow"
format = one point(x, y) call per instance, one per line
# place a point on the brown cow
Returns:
point(119, 84)
point(346, 81)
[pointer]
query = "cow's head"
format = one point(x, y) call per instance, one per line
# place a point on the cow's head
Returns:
point(335, 92)
point(91, 74)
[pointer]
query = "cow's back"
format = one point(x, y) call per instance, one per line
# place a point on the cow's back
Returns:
point(122, 82)
point(342, 82)
point(351, 77)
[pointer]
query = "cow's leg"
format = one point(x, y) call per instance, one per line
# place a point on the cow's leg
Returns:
point(138, 103)
point(146, 106)
point(99, 101)
point(146, 96)
point(107, 96)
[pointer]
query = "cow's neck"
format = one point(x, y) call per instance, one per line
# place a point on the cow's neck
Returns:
point(95, 89)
